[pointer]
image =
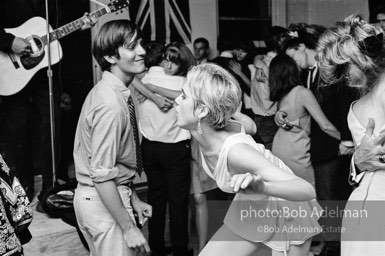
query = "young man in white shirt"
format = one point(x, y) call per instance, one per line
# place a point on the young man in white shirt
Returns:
point(104, 151)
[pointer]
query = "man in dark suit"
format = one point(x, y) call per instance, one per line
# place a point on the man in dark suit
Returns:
point(330, 158)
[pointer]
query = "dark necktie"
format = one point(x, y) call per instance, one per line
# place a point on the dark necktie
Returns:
point(138, 151)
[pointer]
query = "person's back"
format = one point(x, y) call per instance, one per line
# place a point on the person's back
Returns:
point(293, 145)
point(166, 148)
point(155, 124)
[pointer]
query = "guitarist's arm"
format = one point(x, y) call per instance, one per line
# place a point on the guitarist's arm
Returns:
point(9, 42)
point(6, 40)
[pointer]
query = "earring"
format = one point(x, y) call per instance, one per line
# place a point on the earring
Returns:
point(199, 127)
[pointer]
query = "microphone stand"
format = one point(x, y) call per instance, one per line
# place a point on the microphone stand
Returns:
point(51, 98)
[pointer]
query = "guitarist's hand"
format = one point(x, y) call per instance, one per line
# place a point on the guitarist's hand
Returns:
point(21, 46)
point(89, 21)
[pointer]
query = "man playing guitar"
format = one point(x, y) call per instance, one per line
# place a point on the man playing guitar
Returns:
point(15, 110)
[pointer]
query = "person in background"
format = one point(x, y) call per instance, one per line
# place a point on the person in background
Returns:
point(166, 149)
point(292, 144)
point(201, 50)
point(360, 63)
point(237, 64)
point(106, 148)
point(263, 108)
point(330, 157)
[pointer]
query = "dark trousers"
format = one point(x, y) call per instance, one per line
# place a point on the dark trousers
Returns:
point(167, 166)
point(326, 179)
point(25, 130)
point(266, 130)
point(331, 180)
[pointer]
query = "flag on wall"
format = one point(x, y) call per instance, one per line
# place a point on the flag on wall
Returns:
point(162, 20)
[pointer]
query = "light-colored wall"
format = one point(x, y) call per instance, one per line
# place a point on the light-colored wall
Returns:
point(321, 12)
point(204, 22)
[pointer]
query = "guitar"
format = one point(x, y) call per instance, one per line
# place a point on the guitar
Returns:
point(17, 70)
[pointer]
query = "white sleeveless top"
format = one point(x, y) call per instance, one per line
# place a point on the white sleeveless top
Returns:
point(248, 228)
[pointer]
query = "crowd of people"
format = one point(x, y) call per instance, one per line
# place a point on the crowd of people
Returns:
point(293, 130)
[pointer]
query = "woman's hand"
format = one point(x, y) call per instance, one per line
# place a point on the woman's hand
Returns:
point(163, 103)
point(235, 67)
point(143, 210)
point(366, 156)
point(246, 180)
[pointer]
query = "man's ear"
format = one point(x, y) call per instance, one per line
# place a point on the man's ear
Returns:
point(110, 59)
point(202, 112)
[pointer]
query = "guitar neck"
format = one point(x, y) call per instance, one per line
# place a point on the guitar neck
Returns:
point(72, 26)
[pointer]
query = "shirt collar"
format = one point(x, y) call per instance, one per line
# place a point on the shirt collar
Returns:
point(116, 83)
point(156, 69)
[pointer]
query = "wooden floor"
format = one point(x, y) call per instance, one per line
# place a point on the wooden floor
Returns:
point(51, 236)
point(54, 237)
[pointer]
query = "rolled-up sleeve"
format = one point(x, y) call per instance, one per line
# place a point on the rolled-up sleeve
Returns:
point(107, 125)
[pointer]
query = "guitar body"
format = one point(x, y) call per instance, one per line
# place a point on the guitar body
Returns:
point(14, 77)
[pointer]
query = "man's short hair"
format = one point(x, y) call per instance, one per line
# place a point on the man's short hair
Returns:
point(275, 37)
point(203, 41)
point(306, 39)
point(110, 37)
point(245, 44)
point(154, 54)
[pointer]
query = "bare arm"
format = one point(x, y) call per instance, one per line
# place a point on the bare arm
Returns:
point(162, 102)
point(311, 104)
point(236, 68)
point(243, 159)
point(171, 94)
point(109, 194)
point(142, 89)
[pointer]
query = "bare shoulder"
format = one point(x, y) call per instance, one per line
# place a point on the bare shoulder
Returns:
point(304, 94)
point(242, 154)
point(302, 90)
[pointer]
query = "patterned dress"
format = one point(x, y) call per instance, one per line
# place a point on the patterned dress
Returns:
point(15, 213)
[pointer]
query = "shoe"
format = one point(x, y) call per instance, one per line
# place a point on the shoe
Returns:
point(189, 252)
point(331, 250)
point(39, 207)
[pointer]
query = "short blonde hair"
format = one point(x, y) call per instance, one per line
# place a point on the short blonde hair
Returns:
point(344, 56)
point(216, 89)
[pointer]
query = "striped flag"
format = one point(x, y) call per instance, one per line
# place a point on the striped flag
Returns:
point(163, 20)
